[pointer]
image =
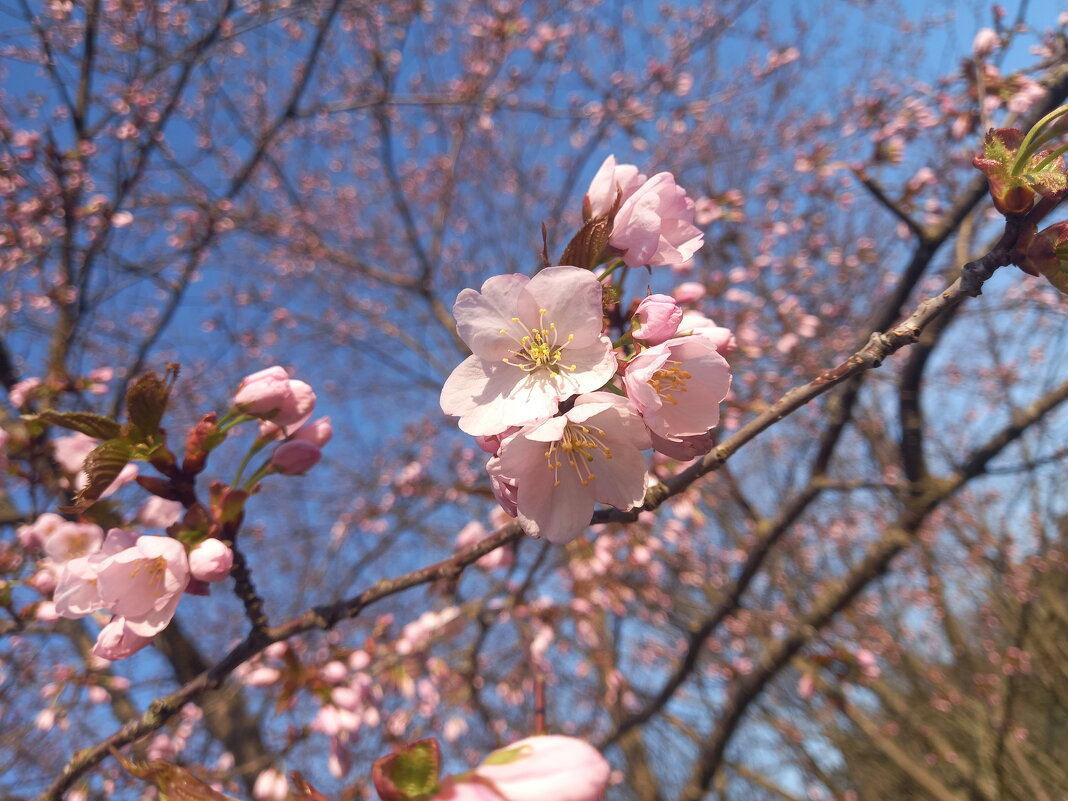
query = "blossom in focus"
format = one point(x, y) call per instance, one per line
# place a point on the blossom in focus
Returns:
point(158, 512)
point(657, 318)
point(143, 583)
point(272, 394)
point(610, 180)
point(563, 465)
point(655, 224)
point(677, 386)
point(534, 342)
point(1047, 255)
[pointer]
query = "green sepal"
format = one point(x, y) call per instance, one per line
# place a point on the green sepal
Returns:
point(410, 774)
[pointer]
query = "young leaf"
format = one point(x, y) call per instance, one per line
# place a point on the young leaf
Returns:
point(93, 425)
point(102, 466)
point(174, 782)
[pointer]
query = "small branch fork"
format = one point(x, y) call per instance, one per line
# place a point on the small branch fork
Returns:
point(878, 348)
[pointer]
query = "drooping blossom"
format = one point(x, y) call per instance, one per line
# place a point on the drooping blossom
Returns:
point(657, 318)
point(118, 641)
point(535, 341)
point(677, 386)
point(610, 180)
point(538, 768)
point(273, 395)
point(563, 465)
point(655, 225)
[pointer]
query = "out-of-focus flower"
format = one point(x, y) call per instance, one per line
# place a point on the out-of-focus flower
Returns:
point(317, 432)
point(159, 512)
point(655, 225)
point(22, 391)
point(295, 457)
point(535, 341)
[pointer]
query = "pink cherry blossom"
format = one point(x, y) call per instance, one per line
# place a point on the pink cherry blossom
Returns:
point(986, 42)
point(695, 323)
point(546, 767)
point(70, 451)
point(655, 225)
point(689, 292)
point(682, 448)
point(505, 489)
point(295, 457)
point(535, 341)
point(118, 641)
point(677, 386)
point(474, 532)
point(564, 464)
point(70, 540)
point(21, 391)
point(658, 318)
point(272, 394)
point(318, 432)
point(211, 560)
point(159, 513)
point(612, 178)
point(144, 583)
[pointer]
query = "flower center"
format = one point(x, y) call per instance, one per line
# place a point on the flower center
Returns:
point(539, 347)
point(577, 448)
point(670, 379)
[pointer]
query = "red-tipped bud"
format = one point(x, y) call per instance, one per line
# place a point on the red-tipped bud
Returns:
point(1016, 177)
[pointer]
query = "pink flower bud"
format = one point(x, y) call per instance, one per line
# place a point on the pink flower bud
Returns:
point(270, 393)
point(117, 641)
point(296, 457)
point(658, 318)
point(986, 42)
point(317, 432)
point(211, 560)
point(550, 766)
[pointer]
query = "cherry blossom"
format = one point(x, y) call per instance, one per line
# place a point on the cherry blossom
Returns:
point(143, 583)
point(611, 180)
point(563, 464)
point(655, 225)
point(535, 341)
point(272, 394)
point(657, 318)
point(677, 386)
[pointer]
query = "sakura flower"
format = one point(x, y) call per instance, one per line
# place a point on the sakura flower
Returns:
point(677, 386)
point(295, 457)
point(117, 641)
point(23, 390)
point(71, 540)
point(159, 512)
point(535, 341)
point(610, 180)
point(564, 464)
point(695, 323)
point(77, 591)
point(144, 583)
point(549, 766)
point(70, 451)
point(655, 225)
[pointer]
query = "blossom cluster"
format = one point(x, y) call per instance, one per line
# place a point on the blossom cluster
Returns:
point(565, 412)
point(139, 579)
